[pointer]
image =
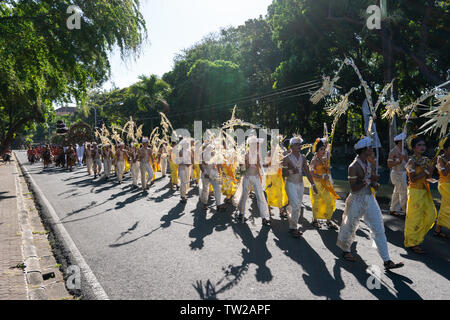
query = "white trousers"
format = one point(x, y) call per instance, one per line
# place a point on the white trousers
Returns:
point(163, 165)
point(89, 165)
point(97, 166)
point(204, 193)
point(146, 168)
point(107, 163)
point(184, 175)
point(294, 192)
point(356, 207)
point(135, 172)
point(400, 194)
point(254, 181)
point(120, 169)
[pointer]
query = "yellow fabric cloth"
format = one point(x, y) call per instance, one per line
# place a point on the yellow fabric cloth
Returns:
point(275, 190)
point(173, 172)
point(420, 211)
point(324, 202)
point(444, 211)
point(155, 167)
point(229, 182)
point(127, 165)
point(197, 172)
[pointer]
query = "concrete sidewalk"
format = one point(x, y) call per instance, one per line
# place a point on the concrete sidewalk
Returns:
point(13, 284)
point(28, 269)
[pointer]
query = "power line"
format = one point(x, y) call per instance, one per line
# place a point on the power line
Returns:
point(308, 87)
point(231, 105)
point(305, 84)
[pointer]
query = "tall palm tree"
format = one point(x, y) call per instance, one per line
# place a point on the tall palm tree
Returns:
point(151, 94)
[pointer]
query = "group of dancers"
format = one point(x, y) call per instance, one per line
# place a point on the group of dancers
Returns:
point(277, 180)
point(64, 157)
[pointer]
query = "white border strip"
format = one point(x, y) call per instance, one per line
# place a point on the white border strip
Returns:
point(97, 289)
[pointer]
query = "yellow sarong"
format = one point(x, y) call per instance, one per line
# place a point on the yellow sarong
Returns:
point(275, 190)
point(444, 211)
point(127, 165)
point(324, 202)
point(420, 211)
point(197, 172)
point(173, 172)
point(155, 167)
point(229, 182)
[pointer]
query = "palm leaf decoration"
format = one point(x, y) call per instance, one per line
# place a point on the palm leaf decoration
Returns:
point(327, 87)
point(440, 117)
point(392, 109)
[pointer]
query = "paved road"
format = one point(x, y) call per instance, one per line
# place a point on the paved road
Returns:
point(149, 246)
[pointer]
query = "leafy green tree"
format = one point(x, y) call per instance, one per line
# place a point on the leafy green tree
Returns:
point(42, 61)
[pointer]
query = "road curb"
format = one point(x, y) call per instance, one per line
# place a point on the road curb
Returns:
point(90, 287)
point(33, 273)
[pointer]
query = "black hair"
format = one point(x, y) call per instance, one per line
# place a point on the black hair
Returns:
point(319, 145)
point(416, 140)
point(359, 151)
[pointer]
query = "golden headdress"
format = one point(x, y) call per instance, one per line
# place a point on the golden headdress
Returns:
point(409, 140)
point(314, 147)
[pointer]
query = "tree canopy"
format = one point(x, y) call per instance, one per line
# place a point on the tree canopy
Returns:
point(42, 61)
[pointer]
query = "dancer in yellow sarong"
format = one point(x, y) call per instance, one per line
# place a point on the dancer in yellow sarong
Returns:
point(443, 166)
point(276, 193)
point(229, 181)
point(228, 173)
point(324, 202)
point(420, 209)
point(275, 182)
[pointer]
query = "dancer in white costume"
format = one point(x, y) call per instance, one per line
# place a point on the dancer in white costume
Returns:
point(210, 175)
point(96, 159)
point(397, 162)
point(120, 161)
point(89, 160)
point(295, 165)
point(107, 160)
point(361, 203)
point(252, 178)
point(163, 159)
point(80, 153)
point(135, 166)
point(145, 157)
point(184, 161)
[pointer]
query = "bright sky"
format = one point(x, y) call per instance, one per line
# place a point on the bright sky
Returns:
point(174, 25)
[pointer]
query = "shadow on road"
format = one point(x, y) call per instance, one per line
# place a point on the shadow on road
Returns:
point(117, 245)
point(318, 279)
point(173, 214)
point(359, 270)
point(3, 197)
point(203, 227)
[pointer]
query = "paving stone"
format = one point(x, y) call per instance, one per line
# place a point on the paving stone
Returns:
point(38, 294)
point(34, 278)
point(32, 264)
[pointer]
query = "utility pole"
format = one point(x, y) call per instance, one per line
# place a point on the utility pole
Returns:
point(389, 65)
point(95, 117)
